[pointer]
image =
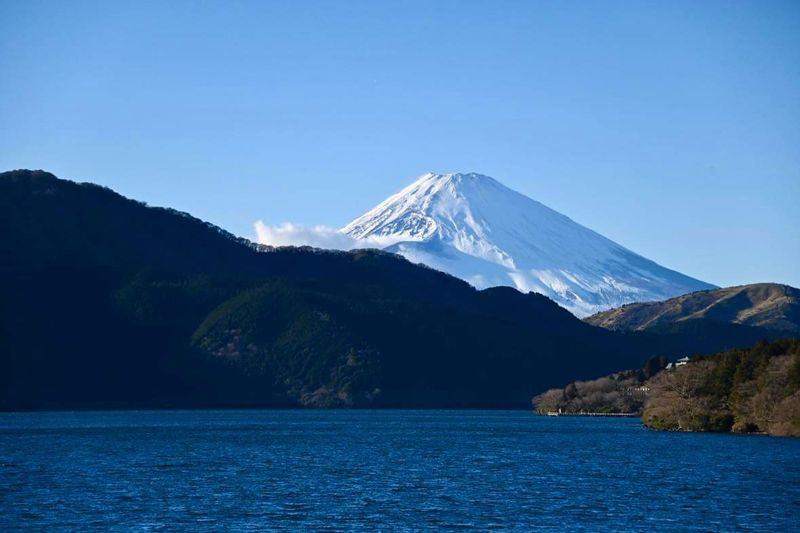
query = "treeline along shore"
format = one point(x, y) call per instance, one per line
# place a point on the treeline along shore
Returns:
point(749, 390)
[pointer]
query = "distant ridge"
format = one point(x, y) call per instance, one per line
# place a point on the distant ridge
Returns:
point(766, 305)
point(475, 228)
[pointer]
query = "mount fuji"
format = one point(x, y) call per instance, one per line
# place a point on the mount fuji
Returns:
point(475, 228)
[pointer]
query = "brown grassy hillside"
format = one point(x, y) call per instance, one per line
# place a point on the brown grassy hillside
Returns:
point(767, 305)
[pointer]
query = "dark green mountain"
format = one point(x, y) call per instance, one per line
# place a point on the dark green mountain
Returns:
point(105, 302)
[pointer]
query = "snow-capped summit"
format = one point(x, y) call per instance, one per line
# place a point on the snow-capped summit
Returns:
point(473, 227)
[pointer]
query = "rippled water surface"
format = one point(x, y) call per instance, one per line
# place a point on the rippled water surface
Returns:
point(386, 470)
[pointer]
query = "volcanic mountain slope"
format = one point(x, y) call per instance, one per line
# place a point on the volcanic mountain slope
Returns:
point(473, 227)
point(766, 305)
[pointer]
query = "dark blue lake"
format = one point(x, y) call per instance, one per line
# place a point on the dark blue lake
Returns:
point(385, 470)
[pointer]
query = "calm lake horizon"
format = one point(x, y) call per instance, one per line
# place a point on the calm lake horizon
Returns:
point(393, 470)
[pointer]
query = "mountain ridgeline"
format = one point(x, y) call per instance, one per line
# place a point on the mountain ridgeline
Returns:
point(106, 302)
point(474, 227)
point(766, 305)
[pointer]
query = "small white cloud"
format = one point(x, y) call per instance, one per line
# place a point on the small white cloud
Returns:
point(289, 234)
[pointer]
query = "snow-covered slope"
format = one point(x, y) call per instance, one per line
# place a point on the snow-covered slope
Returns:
point(475, 228)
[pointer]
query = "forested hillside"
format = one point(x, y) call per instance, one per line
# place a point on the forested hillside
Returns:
point(620, 393)
point(746, 390)
point(105, 302)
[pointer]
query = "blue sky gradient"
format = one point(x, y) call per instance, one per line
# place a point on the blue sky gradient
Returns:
point(672, 128)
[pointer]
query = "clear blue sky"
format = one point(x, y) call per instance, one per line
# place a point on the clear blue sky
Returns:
point(670, 127)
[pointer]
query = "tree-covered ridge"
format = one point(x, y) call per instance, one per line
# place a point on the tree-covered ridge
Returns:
point(106, 302)
point(744, 390)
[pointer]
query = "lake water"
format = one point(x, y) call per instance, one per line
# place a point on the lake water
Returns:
point(385, 470)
